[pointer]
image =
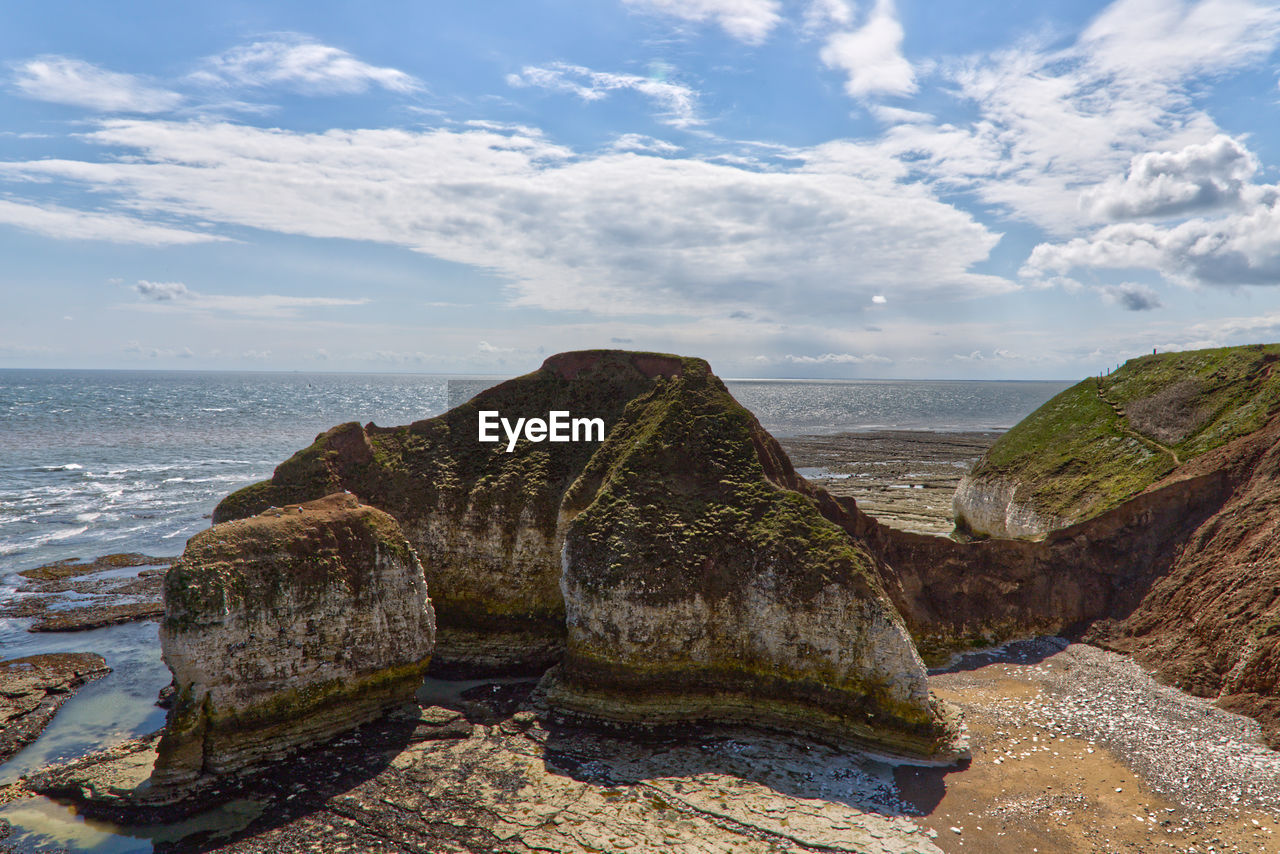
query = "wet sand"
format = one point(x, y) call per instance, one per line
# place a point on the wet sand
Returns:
point(905, 478)
point(1076, 749)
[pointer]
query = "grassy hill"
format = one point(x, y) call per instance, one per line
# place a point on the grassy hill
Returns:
point(1105, 440)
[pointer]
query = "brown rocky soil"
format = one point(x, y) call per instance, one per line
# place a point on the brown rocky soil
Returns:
point(33, 688)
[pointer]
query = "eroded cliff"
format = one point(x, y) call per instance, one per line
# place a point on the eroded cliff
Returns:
point(699, 587)
point(284, 629)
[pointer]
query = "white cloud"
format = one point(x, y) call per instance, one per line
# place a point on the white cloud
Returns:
point(642, 143)
point(679, 103)
point(820, 14)
point(176, 296)
point(879, 299)
point(162, 291)
point(838, 359)
point(749, 21)
point(71, 224)
point(1241, 249)
point(615, 233)
point(298, 63)
point(63, 80)
point(1131, 296)
point(1053, 120)
point(1197, 179)
point(871, 55)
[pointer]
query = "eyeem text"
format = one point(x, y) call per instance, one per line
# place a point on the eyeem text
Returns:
point(558, 426)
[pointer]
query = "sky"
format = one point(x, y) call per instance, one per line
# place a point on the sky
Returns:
point(787, 188)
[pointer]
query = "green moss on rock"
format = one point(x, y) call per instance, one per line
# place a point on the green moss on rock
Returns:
point(699, 588)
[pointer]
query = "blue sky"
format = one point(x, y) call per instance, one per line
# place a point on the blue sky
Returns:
point(817, 188)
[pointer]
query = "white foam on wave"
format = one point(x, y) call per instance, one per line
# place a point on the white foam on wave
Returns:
point(63, 467)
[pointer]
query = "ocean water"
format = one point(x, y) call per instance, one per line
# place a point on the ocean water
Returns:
point(99, 462)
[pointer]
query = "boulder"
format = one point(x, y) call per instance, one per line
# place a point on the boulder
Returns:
point(285, 629)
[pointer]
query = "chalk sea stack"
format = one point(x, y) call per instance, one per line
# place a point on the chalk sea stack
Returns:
point(690, 571)
point(285, 629)
point(698, 586)
point(484, 522)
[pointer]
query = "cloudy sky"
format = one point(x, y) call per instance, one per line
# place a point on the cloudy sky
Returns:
point(790, 188)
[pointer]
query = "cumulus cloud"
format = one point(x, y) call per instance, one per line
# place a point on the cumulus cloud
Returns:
point(871, 56)
point(1196, 179)
point(614, 233)
point(177, 296)
point(679, 103)
point(70, 224)
point(1131, 296)
point(162, 291)
point(748, 21)
point(299, 63)
point(62, 80)
point(1241, 249)
point(1051, 119)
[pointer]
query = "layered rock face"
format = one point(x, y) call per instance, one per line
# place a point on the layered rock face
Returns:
point(695, 572)
point(484, 522)
point(1105, 440)
point(285, 629)
point(698, 586)
point(1185, 577)
point(1184, 574)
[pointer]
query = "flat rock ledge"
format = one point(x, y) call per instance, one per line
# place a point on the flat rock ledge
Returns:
point(489, 779)
point(283, 630)
point(32, 689)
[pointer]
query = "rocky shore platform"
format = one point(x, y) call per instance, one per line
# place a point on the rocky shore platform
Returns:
point(904, 478)
point(1075, 749)
point(477, 770)
point(71, 596)
point(34, 687)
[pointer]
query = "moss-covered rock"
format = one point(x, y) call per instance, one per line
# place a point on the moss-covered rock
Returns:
point(695, 572)
point(1105, 440)
point(698, 588)
point(285, 629)
point(484, 522)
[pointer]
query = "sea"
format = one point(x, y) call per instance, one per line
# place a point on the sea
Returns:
point(102, 462)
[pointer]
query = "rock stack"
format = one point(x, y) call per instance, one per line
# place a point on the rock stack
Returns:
point(285, 629)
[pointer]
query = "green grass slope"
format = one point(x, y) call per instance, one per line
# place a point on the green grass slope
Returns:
point(1103, 441)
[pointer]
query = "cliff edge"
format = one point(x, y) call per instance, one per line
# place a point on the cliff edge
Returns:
point(1105, 440)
